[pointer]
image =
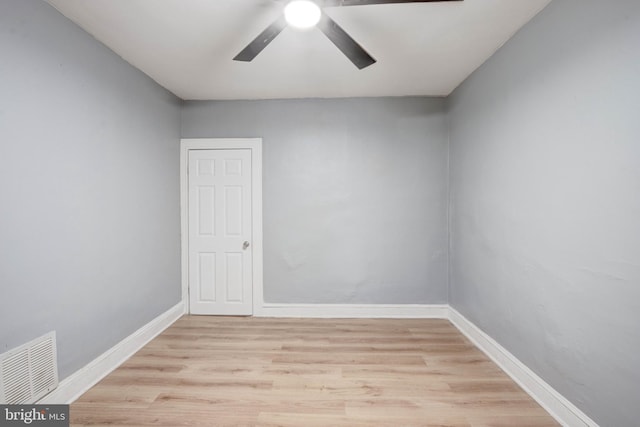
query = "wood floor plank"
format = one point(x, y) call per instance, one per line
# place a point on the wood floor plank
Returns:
point(239, 371)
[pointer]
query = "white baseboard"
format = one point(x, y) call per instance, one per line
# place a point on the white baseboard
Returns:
point(82, 380)
point(553, 402)
point(559, 407)
point(418, 311)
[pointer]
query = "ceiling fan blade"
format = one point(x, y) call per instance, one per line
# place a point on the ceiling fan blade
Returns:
point(264, 38)
point(345, 43)
point(333, 3)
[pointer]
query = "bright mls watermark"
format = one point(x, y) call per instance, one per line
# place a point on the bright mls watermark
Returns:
point(34, 415)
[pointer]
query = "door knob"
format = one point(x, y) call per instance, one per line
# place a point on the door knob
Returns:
point(245, 245)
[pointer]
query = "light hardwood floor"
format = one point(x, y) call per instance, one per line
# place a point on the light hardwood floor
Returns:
point(235, 371)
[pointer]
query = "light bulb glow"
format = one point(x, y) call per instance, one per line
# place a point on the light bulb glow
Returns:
point(302, 14)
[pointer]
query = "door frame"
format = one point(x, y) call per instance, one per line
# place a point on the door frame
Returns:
point(255, 145)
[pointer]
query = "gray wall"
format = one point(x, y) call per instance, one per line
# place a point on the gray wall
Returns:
point(545, 195)
point(545, 202)
point(89, 188)
point(355, 195)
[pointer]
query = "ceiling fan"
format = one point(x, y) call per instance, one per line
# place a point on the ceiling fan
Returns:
point(305, 14)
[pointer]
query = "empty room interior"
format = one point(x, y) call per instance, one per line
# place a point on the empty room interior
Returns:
point(408, 214)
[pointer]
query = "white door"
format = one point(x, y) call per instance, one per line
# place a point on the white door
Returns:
point(220, 231)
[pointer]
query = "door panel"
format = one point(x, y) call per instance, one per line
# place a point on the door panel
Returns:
point(220, 264)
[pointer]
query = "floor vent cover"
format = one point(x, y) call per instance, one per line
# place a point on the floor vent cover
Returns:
point(29, 372)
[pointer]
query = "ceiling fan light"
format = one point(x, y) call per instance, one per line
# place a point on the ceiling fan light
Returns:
point(302, 14)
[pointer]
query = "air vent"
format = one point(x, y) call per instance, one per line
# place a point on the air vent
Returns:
point(29, 372)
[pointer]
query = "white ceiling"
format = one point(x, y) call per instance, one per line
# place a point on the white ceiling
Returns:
point(187, 46)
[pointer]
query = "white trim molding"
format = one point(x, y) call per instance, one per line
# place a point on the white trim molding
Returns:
point(565, 412)
point(83, 379)
point(553, 402)
point(255, 145)
point(418, 311)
